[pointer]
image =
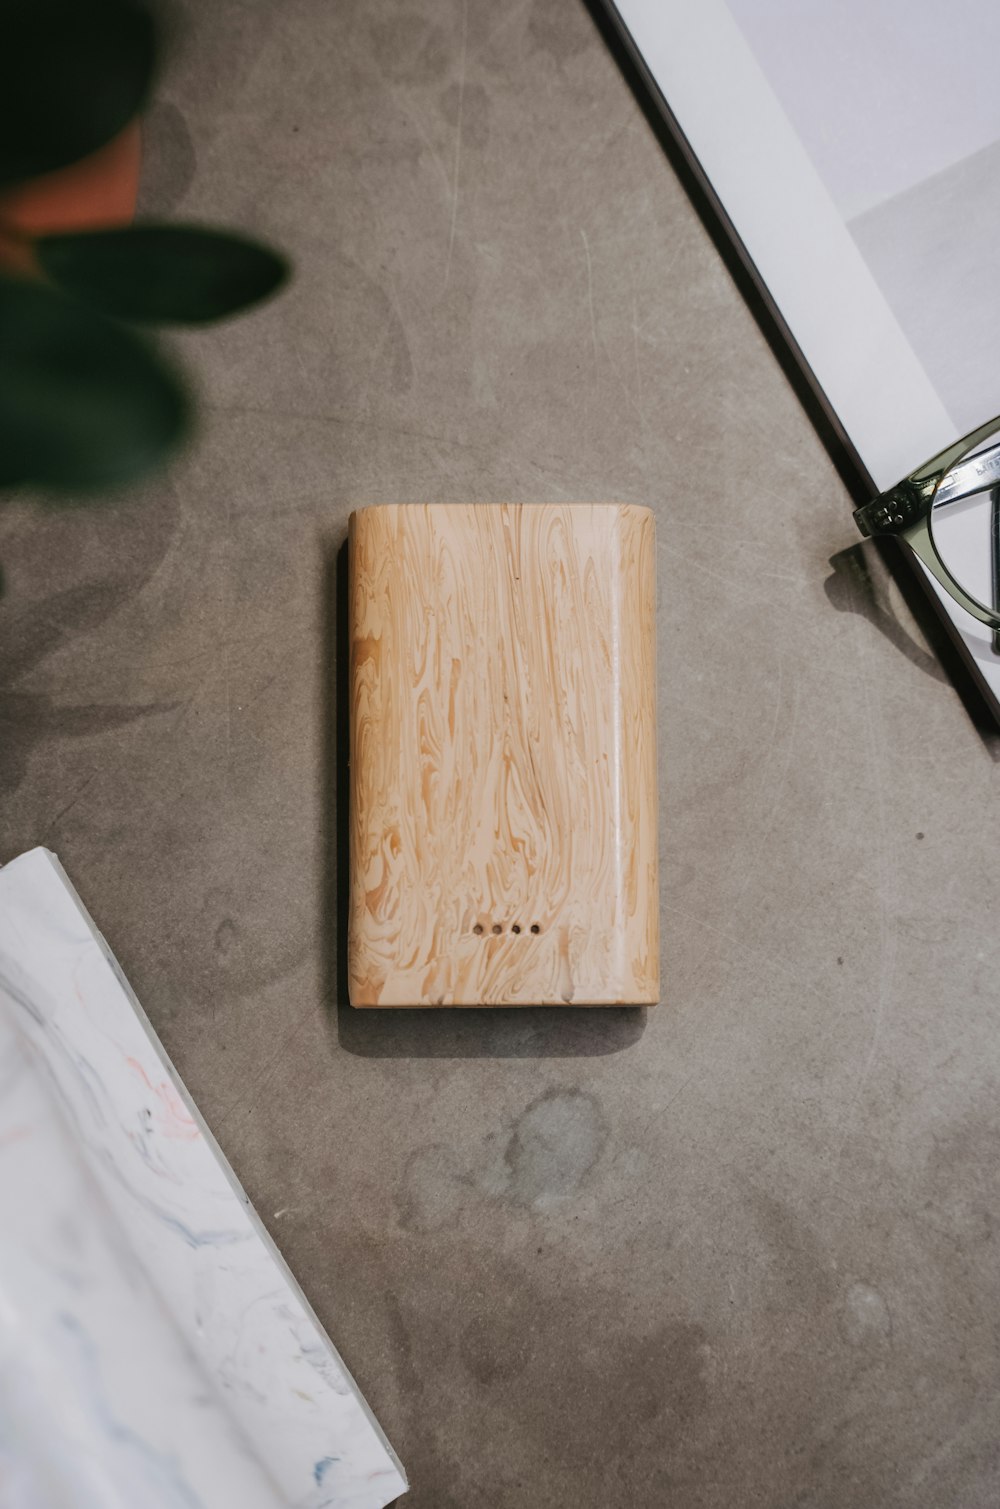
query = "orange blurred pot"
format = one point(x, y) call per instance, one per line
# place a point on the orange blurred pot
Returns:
point(98, 191)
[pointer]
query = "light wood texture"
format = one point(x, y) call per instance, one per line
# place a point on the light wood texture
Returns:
point(503, 755)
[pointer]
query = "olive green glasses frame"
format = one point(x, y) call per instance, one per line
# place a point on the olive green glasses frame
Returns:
point(967, 467)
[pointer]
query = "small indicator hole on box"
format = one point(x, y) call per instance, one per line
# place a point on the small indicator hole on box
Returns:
point(516, 928)
point(478, 929)
point(535, 928)
point(497, 928)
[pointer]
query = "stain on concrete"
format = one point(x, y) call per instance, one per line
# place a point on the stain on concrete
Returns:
point(433, 1189)
point(793, 1255)
point(401, 1349)
point(961, 1199)
point(556, 1365)
point(549, 1153)
point(497, 1346)
point(663, 1374)
point(227, 938)
point(864, 1319)
point(555, 1144)
point(168, 159)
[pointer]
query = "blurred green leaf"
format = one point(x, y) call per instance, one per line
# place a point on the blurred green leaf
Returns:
point(84, 403)
point(73, 73)
point(163, 274)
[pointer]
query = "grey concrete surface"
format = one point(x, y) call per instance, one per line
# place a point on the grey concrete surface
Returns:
point(741, 1249)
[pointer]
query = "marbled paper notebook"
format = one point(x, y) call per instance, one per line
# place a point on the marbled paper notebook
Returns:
point(503, 755)
point(155, 1352)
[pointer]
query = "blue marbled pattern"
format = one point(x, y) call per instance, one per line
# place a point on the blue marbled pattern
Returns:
point(154, 1348)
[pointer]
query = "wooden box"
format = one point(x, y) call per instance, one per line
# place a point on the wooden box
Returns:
point(503, 755)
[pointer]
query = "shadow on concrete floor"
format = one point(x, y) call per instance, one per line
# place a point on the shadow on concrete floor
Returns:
point(438, 1032)
point(859, 584)
point(855, 587)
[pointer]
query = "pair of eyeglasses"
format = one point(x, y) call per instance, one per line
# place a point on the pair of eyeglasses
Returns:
point(948, 512)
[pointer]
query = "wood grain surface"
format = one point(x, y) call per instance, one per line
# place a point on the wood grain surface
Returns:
point(503, 755)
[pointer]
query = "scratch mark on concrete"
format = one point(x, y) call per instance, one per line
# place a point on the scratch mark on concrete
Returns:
point(70, 804)
point(458, 142)
point(249, 1092)
point(435, 154)
point(229, 700)
point(635, 352)
point(590, 293)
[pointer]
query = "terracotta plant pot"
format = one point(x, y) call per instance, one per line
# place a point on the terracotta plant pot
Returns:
point(98, 191)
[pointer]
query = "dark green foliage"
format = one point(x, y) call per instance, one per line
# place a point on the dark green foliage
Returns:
point(73, 73)
point(84, 402)
point(163, 274)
